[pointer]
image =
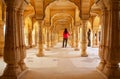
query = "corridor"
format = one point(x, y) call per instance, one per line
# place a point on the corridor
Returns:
point(62, 63)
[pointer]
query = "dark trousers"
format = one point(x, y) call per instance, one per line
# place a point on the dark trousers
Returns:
point(65, 42)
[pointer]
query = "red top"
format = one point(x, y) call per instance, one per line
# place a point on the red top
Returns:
point(65, 35)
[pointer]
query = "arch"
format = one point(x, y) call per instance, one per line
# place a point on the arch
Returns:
point(67, 5)
point(48, 2)
point(64, 16)
point(61, 18)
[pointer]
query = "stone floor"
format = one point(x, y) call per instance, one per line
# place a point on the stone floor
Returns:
point(60, 63)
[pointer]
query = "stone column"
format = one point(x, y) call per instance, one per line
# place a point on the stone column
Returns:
point(55, 38)
point(34, 41)
point(95, 39)
point(52, 40)
point(92, 38)
point(36, 36)
point(30, 36)
point(92, 31)
point(104, 27)
point(11, 49)
point(77, 38)
point(48, 39)
point(72, 39)
point(21, 39)
point(112, 48)
point(1, 37)
point(84, 39)
point(40, 52)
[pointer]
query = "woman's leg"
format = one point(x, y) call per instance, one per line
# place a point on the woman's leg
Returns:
point(66, 42)
point(63, 42)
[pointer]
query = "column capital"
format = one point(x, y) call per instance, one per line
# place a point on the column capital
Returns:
point(20, 11)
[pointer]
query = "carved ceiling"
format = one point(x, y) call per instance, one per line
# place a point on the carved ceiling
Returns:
point(83, 5)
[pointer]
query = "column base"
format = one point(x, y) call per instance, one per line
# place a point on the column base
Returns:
point(101, 66)
point(11, 72)
point(23, 65)
point(17, 77)
point(84, 55)
point(40, 55)
point(112, 73)
point(76, 49)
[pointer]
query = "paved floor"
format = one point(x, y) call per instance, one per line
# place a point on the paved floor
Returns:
point(61, 63)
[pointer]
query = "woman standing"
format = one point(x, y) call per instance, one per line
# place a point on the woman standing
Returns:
point(65, 37)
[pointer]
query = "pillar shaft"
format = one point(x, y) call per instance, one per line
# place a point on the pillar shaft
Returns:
point(1, 38)
point(48, 39)
point(77, 38)
point(73, 38)
point(40, 52)
point(36, 36)
point(30, 36)
point(112, 48)
point(11, 49)
point(21, 40)
point(103, 41)
point(84, 39)
point(52, 40)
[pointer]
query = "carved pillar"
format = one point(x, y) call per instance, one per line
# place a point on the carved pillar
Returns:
point(34, 39)
point(11, 49)
point(97, 36)
point(48, 39)
point(52, 38)
point(30, 36)
point(1, 29)
point(21, 39)
point(77, 38)
point(36, 36)
point(56, 36)
point(40, 52)
point(1, 37)
point(92, 40)
point(84, 39)
point(73, 38)
point(95, 39)
point(92, 31)
point(104, 27)
point(112, 48)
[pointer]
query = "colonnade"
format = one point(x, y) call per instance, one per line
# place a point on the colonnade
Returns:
point(14, 46)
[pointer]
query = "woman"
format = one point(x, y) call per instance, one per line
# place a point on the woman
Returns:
point(65, 37)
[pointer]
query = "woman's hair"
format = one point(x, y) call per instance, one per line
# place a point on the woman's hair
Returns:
point(65, 31)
